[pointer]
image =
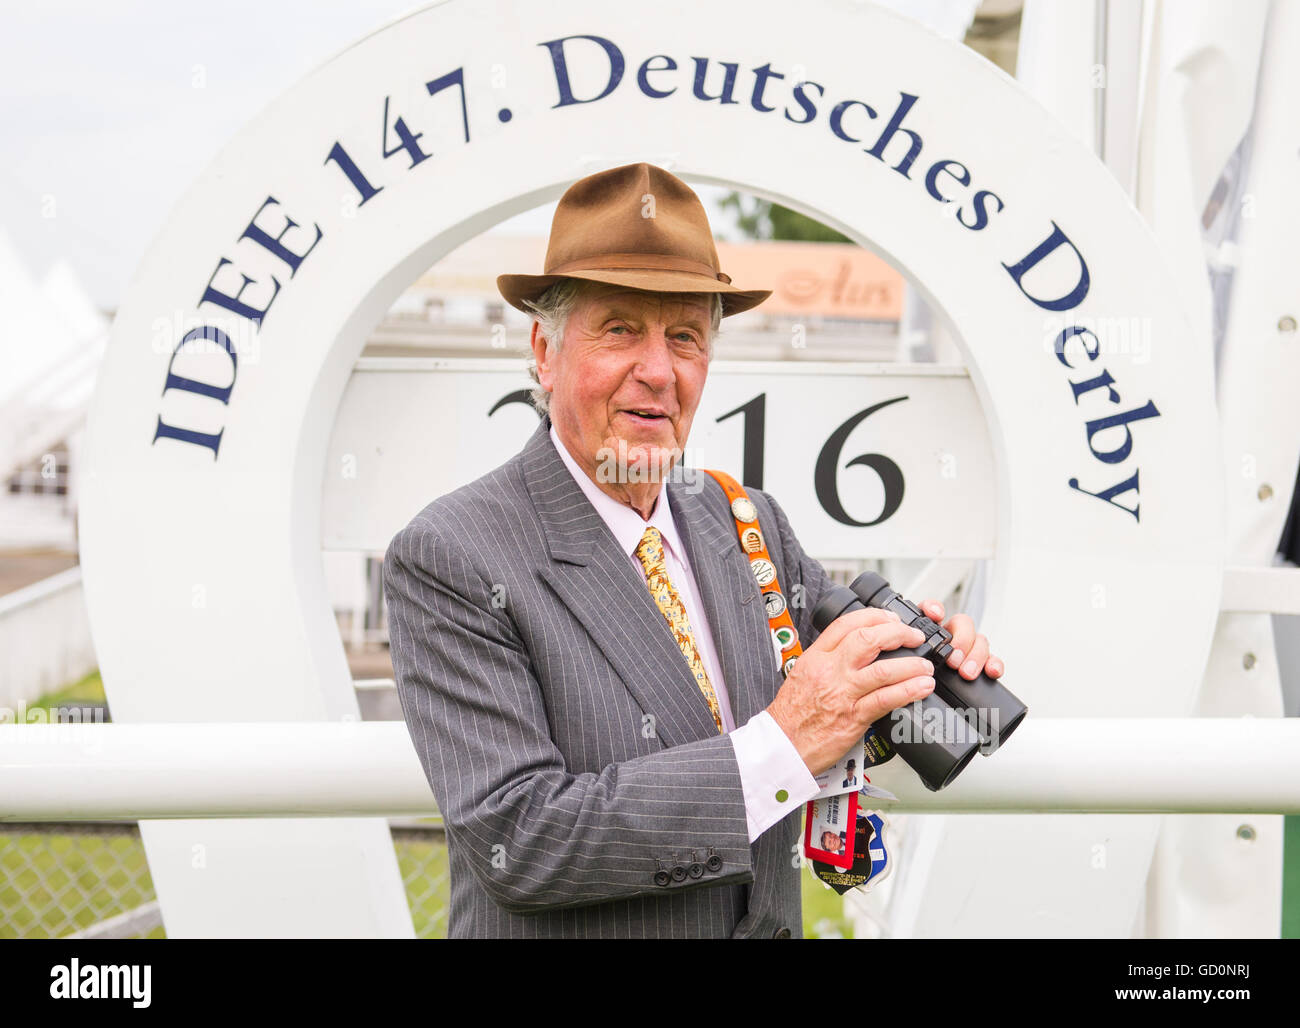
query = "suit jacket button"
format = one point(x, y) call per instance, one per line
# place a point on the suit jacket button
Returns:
point(696, 870)
point(679, 873)
point(714, 863)
point(781, 933)
point(662, 877)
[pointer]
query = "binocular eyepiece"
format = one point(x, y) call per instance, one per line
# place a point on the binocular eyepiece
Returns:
point(938, 735)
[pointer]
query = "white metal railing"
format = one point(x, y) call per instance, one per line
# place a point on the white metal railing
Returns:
point(45, 640)
point(1270, 590)
point(318, 769)
point(30, 595)
point(51, 406)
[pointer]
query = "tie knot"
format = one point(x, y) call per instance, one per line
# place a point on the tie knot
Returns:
point(650, 549)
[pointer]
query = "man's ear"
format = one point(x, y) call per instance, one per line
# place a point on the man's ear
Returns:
point(542, 352)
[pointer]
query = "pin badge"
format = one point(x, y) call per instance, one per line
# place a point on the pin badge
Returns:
point(764, 570)
point(752, 540)
point(787, 637)
point(775, 604)
point(743, 510)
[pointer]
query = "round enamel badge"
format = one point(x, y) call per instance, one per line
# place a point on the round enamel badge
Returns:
point(775, 604)
point(743, 510)
point(787, 637)
point(764, 570)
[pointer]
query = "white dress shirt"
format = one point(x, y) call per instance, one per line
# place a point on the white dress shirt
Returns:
point(773, 776)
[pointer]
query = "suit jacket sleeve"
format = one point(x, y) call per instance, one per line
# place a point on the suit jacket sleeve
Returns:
point(537, 836)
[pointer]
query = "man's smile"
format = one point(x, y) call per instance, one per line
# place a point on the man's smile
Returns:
point(645, 415)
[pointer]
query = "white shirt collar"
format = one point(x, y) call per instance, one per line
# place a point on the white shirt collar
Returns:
point(625, 523)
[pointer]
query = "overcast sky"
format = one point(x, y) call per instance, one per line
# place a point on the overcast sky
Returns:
point(103, 128)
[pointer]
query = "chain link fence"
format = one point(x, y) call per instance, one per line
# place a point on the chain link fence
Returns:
point(91, 880)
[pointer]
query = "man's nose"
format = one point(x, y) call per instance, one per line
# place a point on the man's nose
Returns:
point(655, 362)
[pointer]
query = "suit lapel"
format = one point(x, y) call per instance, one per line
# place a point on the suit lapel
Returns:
point(604, 591)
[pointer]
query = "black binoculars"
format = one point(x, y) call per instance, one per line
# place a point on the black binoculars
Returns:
point(936, 736)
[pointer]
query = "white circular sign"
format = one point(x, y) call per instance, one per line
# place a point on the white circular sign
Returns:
point(201, 511)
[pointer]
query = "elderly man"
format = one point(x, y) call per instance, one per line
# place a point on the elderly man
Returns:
point(582, 655)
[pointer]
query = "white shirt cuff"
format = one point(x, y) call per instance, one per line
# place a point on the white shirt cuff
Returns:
point(773, 776)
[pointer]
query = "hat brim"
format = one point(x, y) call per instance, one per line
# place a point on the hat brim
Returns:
point(518, 288)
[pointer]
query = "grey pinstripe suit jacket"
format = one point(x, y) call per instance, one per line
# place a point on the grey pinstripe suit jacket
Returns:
point(569, 749)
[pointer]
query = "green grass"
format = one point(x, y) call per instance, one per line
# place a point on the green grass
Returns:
point(40, 874)
point(51, 878)
point(823, 910)
point(423, 866)
point(88, 689)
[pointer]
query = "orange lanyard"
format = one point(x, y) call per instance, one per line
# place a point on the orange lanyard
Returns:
point(763, 567)
point(876, 750)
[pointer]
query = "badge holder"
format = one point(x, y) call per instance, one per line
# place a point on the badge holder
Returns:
point(872, 861)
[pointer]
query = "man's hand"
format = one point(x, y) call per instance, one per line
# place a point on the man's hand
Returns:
point(969, 649)
point(837, 688)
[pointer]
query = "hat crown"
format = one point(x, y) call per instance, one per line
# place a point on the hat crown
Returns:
point(636, 226)
point(633, 209)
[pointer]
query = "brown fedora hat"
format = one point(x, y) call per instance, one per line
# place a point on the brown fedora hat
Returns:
point(635, 226)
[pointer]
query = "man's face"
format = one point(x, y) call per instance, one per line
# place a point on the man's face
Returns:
point(628, 376)
point(830, 842)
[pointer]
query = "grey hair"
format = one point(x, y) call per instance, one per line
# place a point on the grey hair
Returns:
point(551, 311)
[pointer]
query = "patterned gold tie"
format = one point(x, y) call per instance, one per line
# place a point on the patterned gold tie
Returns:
point(650, 552)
